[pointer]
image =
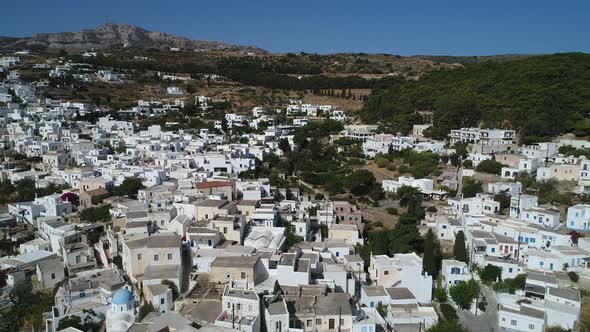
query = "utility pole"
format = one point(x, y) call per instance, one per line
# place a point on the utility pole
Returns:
point(233, 314)
point(518, 246)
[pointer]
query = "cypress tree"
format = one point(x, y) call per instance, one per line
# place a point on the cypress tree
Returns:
point(459, 248)
point(428, 262)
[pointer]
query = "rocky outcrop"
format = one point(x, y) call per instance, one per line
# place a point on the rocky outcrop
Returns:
point(115, 35)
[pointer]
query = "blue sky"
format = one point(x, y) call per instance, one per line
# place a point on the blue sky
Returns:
point(325, 26)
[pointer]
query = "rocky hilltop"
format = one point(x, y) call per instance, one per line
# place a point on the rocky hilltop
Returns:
point(115, 35)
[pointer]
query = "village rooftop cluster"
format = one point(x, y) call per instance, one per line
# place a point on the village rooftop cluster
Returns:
point(156, 229)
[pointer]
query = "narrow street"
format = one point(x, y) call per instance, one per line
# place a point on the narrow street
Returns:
point(486, 321)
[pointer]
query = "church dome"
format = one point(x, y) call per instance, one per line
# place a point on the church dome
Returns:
point(122, 296)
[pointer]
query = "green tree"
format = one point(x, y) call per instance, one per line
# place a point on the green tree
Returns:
point(173, 287)
point(145, 309)
point(71, 321)
point(118, 261)
point(459, 248)
point(224, 125)
point(490, 273)
point(284, 145)
point(129, 187)
point(525, 179)
point(504, 199)
point(455, 159)
point(489, 166)
point(405, 237)
point(465, 293)
point(429, 263)
point(446, 326)
point(471, 187)
point(411, 198)
point(96, 214)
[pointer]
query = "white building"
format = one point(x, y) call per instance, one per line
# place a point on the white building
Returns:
point(240, 309)
point(547, 216)
point(453, 272)
point(578, 217)
point(424, 185)
point(402, 270)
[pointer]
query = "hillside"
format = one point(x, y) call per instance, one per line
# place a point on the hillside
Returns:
point(114, 35)
point(471, 60)
point(540, 96)
point(275, 71)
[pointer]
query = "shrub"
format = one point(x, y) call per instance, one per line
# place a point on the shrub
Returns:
point(381, 162)
point(481, 305)
point(468, 164)
point(441, 295)
point(573, 276)
point(449, 313)
point(431, 209)
point(392, 211)
point(489, 166)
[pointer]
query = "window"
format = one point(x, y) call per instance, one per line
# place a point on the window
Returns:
point(309, 321)
point(513, 322)
point(224, 230)
point(243, 275)
point(372, 304)
point(510, 269)
point(337, 254)
point(156, 258)
point(169, 257)
point(138, 257)
point(239, 306)
point(278, 326)
point(386, 272)
point(162, 301)
point(331, 324)
point(52, 276)
point(318, 321)
point(531, 327)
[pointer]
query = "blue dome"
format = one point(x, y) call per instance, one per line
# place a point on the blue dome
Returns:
point(122, 296)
